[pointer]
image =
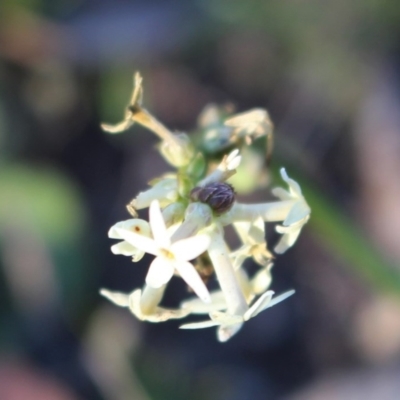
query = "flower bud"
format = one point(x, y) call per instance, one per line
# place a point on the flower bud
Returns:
point(220, 196)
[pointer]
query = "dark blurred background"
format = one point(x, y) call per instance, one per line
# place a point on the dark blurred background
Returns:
point(328, 72)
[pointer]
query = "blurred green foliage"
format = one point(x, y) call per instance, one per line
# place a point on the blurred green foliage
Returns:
point(43, 199)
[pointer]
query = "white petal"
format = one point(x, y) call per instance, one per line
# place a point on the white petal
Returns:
point(232, 155)
point(136, 225)
point(141, 242)
point(225, 332)
point(210, 115)
point(257, 231)
point(280, 298)
point(118, 298)
point(239, 256)
point(287, 240)
point(233, 160)
point(251, 232)
point(196, 306)
point(298, 212)
point(281, 193)
point(242, 229)
point(285, 230)
point(159, 315)
point(126, 249)
point(248, 120)
point(199, 325)
point(293, 185)
point(138, 256)
point(261, 281)
point(158, 227)
point(190, 248)
point(160, 272)
point(260, 305)
point(192, 278)
point(164, 314)
point(225, 318)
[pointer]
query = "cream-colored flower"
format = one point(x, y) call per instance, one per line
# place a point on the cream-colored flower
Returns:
point(132, 301)
point(229, 324)
point(169, 256)
point(297, 217)
point(252, 235)
point(140, 227)
point(250, 124)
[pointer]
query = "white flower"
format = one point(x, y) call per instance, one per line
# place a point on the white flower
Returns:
point(230, 324)
point(169, 256)
point(252, 235)
point(139, 226)
point(298, 215)
point(132, 301)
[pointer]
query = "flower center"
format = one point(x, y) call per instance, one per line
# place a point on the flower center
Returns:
point(167, 254)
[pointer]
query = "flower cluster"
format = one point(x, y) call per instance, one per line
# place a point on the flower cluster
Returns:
point(188, 212)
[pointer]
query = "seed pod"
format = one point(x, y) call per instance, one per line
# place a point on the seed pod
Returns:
point(220, 196)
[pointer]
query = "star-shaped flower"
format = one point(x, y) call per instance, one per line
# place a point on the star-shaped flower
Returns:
point(297, 216)
point(230, 324)
point(169, 256)
point(252, 235)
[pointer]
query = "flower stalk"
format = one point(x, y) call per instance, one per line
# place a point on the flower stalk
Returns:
point(236, 303)
point(151, 298)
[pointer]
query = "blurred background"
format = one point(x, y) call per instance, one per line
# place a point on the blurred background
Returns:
point(329, 74)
